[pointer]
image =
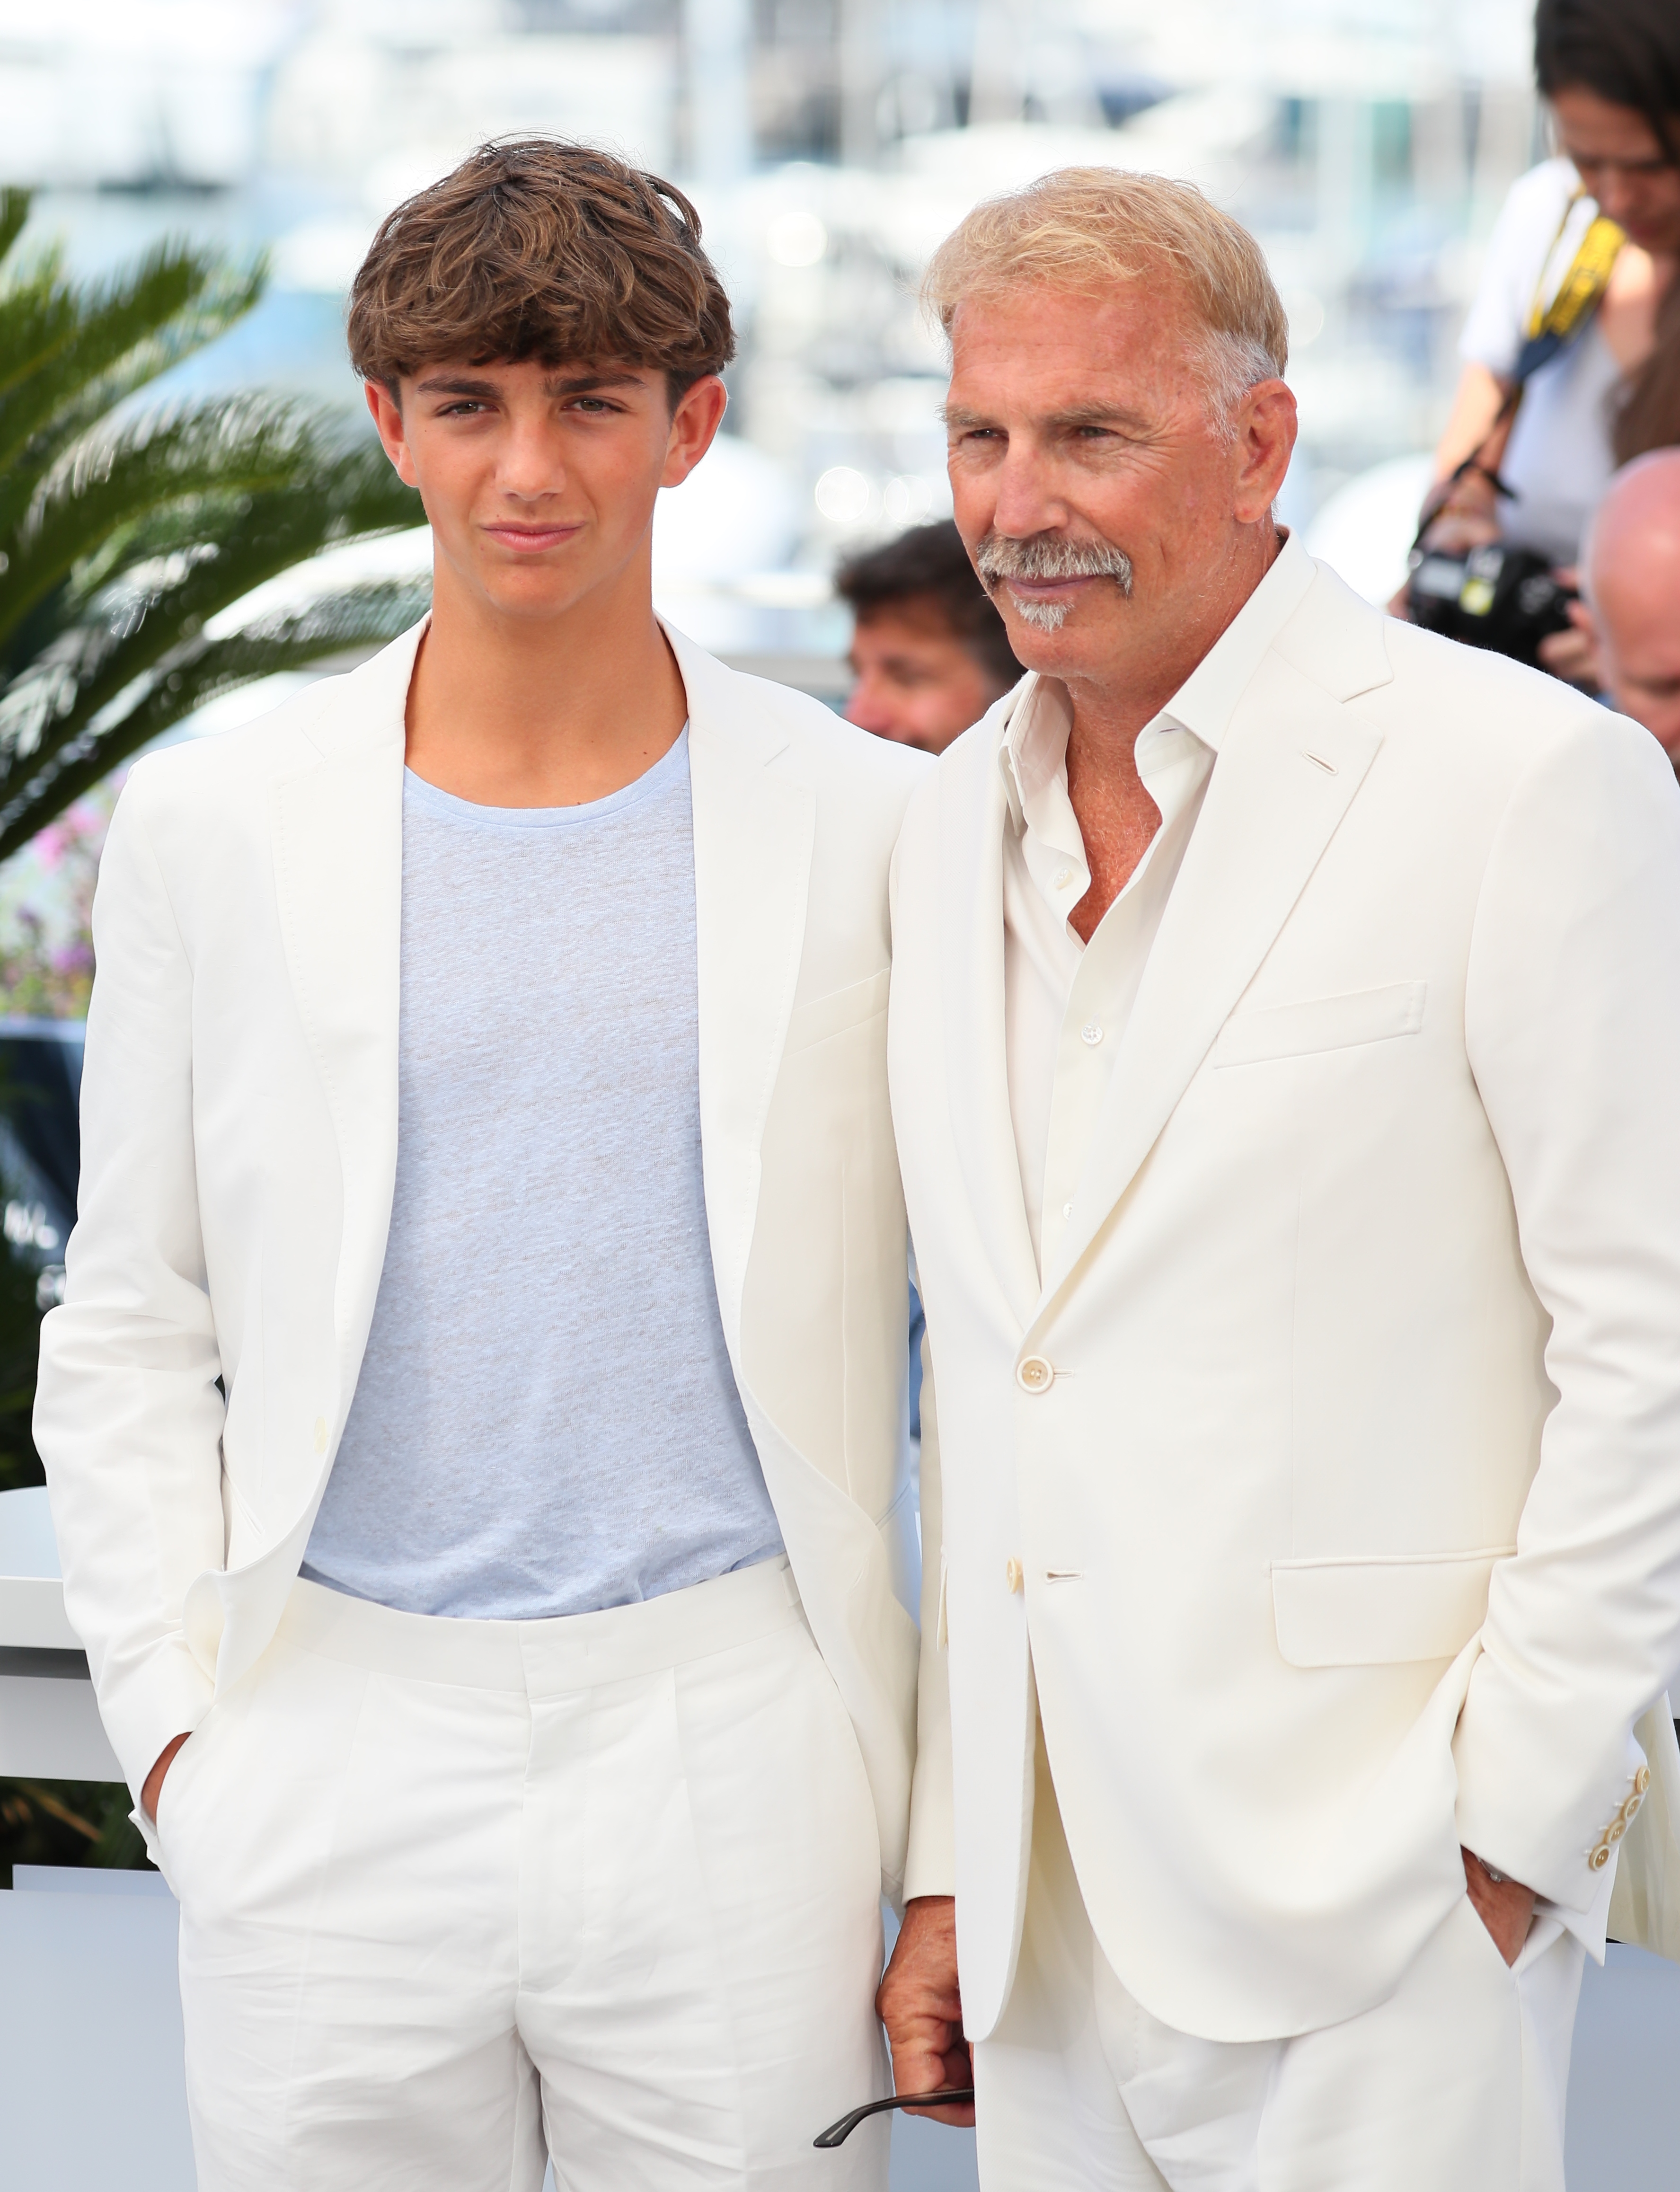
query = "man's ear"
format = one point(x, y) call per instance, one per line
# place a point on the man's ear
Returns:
point(1266, 425)
point(383, 403)
point(693, 427)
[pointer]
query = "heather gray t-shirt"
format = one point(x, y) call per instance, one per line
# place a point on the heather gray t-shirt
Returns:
point(545, 1421)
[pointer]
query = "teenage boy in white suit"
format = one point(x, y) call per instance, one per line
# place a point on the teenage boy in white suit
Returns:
point(474, 1421)
point(1285, 1025)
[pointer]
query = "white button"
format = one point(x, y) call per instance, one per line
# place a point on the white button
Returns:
point(1064, 877)
point(1091, 1033)
point(1012, 1574)
point(1034, 1375)
point(1067, 1210)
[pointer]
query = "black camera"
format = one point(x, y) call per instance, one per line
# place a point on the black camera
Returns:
point(1498, 597)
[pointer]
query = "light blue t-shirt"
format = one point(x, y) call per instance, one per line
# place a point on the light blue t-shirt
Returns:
point(545, 1421)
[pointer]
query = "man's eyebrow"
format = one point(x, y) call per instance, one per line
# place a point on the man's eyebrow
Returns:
point(1079, 414)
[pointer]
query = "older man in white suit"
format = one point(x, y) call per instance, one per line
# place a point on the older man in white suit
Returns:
point(1286, 1012)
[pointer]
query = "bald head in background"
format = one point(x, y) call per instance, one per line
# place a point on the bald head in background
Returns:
point(1632, 573)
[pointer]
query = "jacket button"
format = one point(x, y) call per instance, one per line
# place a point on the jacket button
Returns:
point(1013, 1574)
point(1642, 1780)
point(1034, 1374)
point(1630, 1809)
point(1600, 1856)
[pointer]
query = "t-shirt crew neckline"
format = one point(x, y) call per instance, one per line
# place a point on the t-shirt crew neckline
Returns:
point(671, 765)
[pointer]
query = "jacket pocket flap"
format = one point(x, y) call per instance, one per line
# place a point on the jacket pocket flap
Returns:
point(820, 1018)
point(1322, 1023)
point(1382, 1610)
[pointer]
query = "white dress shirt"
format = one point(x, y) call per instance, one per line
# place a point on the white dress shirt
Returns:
point(1067, 1004)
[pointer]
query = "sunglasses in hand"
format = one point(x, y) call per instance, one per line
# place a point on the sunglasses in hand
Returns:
point(947, 2097)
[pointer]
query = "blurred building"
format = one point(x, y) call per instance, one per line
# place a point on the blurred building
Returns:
point(830, 144)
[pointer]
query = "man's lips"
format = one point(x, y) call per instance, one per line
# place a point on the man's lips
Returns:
point(530, 540)
point(1043, 589)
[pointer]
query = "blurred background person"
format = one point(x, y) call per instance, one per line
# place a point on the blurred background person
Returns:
point(1632, 568)
point(1594, 231)
point(928, 650)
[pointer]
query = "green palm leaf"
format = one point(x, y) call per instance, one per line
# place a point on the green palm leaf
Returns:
point(125, 537)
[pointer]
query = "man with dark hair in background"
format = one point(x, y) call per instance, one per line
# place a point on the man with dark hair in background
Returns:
point(931, 651)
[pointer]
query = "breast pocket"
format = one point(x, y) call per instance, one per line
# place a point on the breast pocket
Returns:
point(1319, 1023)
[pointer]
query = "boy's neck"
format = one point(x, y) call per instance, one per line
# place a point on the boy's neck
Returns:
point(515, 710)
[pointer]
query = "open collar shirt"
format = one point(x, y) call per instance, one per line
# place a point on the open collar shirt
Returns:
point(1066, 1003)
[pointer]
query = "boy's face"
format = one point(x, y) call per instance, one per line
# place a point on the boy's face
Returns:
point(538, 482)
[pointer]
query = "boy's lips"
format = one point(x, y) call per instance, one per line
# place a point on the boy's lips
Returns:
point(527, 540)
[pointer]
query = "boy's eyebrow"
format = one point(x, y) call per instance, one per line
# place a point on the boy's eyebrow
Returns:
point(580, 384)
point(555, 384)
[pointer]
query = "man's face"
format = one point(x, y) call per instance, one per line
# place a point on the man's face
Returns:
point(539, 482)
point(1639, 638)
point(1079, 432)
point(917, 682)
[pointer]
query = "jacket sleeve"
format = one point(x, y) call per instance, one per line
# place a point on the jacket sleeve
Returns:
point(1572, 1029)
point(931, 1866)
point(127, 1415)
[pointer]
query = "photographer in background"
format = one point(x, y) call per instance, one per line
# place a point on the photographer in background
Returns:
point(928, 649)
point(1572, 347)
point(1632, 567)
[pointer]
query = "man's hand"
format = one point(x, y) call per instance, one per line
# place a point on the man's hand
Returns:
point(1504, 1907)
point(919, 2004)
point(154, 1780)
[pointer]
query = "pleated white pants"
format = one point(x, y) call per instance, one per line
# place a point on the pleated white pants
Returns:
point(1456, 2083)
point(456, 1893)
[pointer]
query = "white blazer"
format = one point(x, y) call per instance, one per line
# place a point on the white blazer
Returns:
point(1340, 1442)
point(239, 1148)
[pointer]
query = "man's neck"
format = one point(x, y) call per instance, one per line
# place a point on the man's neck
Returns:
point(515, 710)
point(1117, 818)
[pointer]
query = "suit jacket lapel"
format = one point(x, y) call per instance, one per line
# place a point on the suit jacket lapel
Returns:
point(754, 831)
point(973, 816)
point(1272, 809)
point(337, 831)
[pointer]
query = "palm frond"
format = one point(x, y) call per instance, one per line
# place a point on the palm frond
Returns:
point(13, 213)
point(70, 352)
point(125, 540)
point(169, 604)
point(237, 446)
point(357, 618)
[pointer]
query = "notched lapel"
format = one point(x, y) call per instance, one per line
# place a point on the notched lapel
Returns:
point(972, 818)
point(1290, 766)
point(337, 833)
point(754, 832)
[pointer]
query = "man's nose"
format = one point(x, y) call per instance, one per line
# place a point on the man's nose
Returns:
point(868, 709)
point(1026, 502)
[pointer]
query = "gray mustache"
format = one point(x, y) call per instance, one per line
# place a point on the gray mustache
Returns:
point(1050, 555)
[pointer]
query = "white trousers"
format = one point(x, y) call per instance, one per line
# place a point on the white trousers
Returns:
point(1456, 2083)
point(457, 1893)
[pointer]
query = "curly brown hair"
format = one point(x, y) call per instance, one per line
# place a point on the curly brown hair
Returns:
point(534, 247)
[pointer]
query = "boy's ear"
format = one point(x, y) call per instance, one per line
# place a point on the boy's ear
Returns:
point(385, 403)
point(693, 427)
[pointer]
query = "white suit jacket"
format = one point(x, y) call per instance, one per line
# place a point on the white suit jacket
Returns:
point(1339, 1444)
point(239, 1146)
